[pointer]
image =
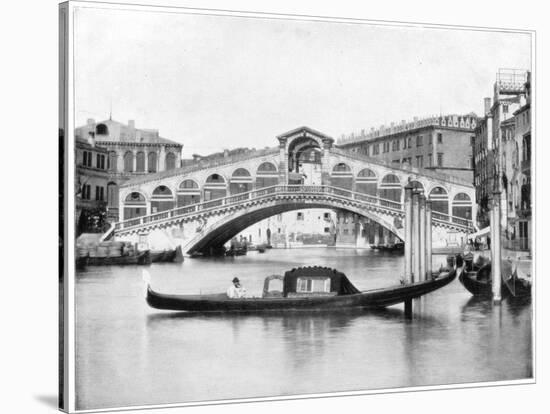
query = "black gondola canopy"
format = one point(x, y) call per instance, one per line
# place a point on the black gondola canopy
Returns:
point(317, 280)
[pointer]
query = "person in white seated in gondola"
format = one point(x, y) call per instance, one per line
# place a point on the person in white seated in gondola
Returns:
point(236, 290)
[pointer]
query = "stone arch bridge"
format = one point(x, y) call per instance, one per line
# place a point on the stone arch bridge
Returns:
point(204, 205)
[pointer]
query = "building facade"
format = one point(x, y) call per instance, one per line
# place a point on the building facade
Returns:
point(440, 143)
point(312, 227)
point(516, 176)
point(90, 185)
point(131, 152)
point(493, 136)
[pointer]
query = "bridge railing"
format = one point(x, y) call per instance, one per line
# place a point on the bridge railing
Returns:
point(240, 198)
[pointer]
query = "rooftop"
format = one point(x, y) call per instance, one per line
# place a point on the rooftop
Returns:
point(111, 130)
point(467, 121)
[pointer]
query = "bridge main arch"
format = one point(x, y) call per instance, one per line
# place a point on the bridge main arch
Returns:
point(215, 232)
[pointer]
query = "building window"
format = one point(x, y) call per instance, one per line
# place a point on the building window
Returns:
point(170, 161)
point(440, 159)
point(430, 163)
point(300, 216)
point(112, 161)
point(505, 109)
point(101, 129)
point(346, 231)
point(376, 149)
point(326, 229)
point(440, 138)
point(152, 162)
point(326, 216)
point(99, 193)
point(87, 158)
point(472, 140)
point(279, 230)
point(140, 162)
point(419, 141)
point(420, 161)
point(128, 162)
point(86, 192)
point(409, 142)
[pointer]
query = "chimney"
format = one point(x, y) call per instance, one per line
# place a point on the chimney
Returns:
point(487, 105)
point(131, 124)
point(225, 153)
point(90, 121)
point(91, 138)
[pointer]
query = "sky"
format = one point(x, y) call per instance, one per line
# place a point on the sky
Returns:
point(216, 82)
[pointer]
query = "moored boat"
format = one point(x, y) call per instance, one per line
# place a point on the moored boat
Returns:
point(142, 258)
point(306, 288)
point(517, 286)
point(171, 255)
point(477, 282)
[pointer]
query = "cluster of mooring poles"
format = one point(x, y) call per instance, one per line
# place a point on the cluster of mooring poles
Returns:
point(494, 222)
point(418, 238)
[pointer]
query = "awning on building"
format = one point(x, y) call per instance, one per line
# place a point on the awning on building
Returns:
point(480, 233)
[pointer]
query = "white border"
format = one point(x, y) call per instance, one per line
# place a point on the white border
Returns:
point(29, 93)
point(70, 133)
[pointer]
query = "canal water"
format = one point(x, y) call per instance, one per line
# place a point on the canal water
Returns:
point(129, 354)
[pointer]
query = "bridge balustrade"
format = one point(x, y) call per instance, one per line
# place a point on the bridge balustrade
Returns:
point(284, 189)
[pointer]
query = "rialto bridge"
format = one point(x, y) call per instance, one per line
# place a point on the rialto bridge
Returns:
point(204, 205)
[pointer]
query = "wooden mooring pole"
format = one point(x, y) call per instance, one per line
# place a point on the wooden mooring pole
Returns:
point(422, 238)
point(408, 245)
point(495, 249)
point(428, 239)
point(408, 233)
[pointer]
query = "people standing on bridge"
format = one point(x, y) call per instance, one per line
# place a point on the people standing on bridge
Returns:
point(236, 290)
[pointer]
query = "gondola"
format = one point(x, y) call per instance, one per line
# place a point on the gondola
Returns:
point(517, 287)
point(142, 258)
point(477, 280)
point(236, 252)
point(174, 255)
point(305, 288)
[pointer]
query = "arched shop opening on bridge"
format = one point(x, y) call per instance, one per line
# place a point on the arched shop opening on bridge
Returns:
point(342, 176)
point(267, 175)
point(215, 187)
point(304, 161)
point(241, 181)
point(135, 205)
point(366, 182)
point(390, 188)
point(462, 206)
point(188, 193)
point(162, 199)
point(440, 200)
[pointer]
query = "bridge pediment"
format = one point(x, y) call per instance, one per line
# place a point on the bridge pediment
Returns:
point(305, 132)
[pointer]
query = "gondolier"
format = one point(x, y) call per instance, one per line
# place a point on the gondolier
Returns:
point(236, 291)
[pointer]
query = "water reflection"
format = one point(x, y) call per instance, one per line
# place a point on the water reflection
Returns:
point(128, 353)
